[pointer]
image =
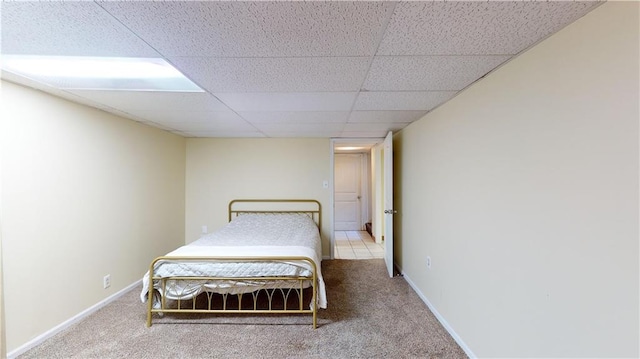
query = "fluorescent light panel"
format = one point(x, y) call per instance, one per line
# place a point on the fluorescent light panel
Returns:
point(100, 73)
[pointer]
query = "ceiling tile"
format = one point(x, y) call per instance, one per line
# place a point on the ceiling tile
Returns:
point(309, 101)
point(373, 127)
point(296, 117)
point(67, 29)
point(256, 29)
point(299, 127)
point(364, 134)
point(308, 134)
point(401, 100)
point(385, 116)
point(154, 100)
point(225, 134)
point(227, 119)
point(301, 74)
point(157, 125)
point(227, 126)
point(428, 73)
point(474, 27)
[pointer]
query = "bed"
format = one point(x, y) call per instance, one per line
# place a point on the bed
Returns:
point(265, 260)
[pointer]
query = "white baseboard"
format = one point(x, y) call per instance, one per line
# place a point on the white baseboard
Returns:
point(66, 324)
point(440, 318)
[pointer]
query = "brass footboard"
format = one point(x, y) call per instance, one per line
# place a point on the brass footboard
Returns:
point(275, 294)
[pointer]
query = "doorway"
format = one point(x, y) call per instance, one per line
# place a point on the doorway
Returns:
point(354, 195)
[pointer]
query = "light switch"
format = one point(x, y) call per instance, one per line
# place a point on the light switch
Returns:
point(204, 230)
point(325, 184)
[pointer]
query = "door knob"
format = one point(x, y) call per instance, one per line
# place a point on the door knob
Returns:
point(390, 211)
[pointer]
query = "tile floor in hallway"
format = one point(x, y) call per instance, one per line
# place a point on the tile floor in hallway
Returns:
point(356, 245)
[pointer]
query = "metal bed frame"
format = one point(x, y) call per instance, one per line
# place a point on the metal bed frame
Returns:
point(288, 288)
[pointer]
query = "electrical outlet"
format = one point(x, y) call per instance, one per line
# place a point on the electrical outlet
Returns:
point(428, 262)
point(205, 230)
point(106, 281)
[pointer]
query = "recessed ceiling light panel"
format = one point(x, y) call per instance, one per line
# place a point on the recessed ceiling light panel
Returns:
point(100, 73)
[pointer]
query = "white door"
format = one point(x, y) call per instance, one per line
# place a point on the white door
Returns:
point(388, 202)
point(347, 172)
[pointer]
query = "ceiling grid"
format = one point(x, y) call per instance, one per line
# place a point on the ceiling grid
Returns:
point(287, 69)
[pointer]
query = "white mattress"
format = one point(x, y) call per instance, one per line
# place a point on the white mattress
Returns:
point(248, 235)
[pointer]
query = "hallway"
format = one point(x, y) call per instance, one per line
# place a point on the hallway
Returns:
point(356, 245)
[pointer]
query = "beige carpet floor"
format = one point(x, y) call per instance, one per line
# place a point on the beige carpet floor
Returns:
point(369, 315)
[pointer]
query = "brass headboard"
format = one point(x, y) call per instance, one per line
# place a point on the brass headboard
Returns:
point(310, 207)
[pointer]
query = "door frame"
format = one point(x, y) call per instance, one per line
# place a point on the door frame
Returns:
point(364, 142)
point(389, 210)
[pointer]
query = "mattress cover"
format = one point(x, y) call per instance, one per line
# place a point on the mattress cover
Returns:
point(247, 235)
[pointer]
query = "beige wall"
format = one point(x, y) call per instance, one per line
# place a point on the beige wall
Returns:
point(84, 194)
point(523, 190)
point(3, 338)
point(220, 170)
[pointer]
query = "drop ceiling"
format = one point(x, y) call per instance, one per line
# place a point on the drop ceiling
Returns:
point(287, 69)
